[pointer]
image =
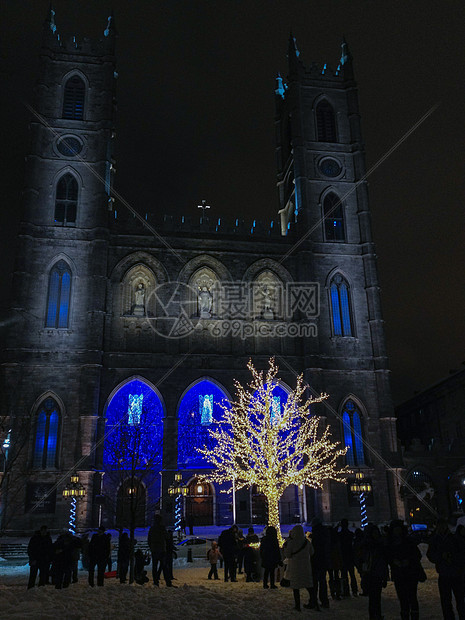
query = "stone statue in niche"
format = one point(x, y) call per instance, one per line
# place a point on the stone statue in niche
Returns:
point(268, 295)
point(205, 301)
point(139, 295)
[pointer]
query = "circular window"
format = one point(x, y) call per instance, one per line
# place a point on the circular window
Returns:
point(69, 146)
point(330, 167)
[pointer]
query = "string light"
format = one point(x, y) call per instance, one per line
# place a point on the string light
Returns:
point(257, 444)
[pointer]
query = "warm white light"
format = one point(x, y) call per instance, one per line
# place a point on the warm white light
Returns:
point(200, 489)
point(255, 448)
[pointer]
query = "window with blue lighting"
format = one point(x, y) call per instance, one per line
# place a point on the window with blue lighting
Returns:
point(340, 306)
point(198, 410)
point(66, 199)
point(333, 218)
point(278, 401)
point(134, 428)
point(59, 293)
point(46, 436)
point(73, 98)
point(325, 122)
point(353, 436)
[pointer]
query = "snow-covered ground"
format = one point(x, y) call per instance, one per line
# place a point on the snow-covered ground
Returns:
point(195, 597)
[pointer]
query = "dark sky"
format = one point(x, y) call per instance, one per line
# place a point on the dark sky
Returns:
point(196, 120)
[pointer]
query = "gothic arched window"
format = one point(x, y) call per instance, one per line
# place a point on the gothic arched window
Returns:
point(73, 98)
point(353, 438)
point(198, 410)
point(325, 122)
point(134, 428)
point(333, 218)
point(340, 306)
point(59, 294)
point(66, 199)
point(46, 436)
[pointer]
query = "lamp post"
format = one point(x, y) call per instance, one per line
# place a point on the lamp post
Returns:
point(177, 490)
point(74, 491)
point(361, 487)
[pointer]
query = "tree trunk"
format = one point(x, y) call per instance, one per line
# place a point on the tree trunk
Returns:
point(273, 515)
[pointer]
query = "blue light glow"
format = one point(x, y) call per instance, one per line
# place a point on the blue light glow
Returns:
point(40, 440)
point(348, 439)
point(135, 408)
point(200, 404)
point(137, 413)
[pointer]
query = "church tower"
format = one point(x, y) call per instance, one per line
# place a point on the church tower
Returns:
point(324, 205)
point(52, 363)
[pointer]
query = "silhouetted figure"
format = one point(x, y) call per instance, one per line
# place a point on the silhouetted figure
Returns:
point(141, 560)
point(228, 548)
point(298, 551)
point(40, 552)
point(62, 563)
point(213, 555)
point(157, 540)
point(270, 555)
point(321, 560)
point(124, 554)
point(404, 558)
point(374, 569)
point(99, 550)
point(346, 538)
point(447, 552)
point(250, 560)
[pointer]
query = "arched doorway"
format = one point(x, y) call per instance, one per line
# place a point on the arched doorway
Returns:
point(199, 503)
point(131, 504)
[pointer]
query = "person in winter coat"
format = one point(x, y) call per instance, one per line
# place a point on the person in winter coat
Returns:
point(321, 561)
point(63, 549)
point(357, 546)
point(251, 567)
point(404, 558)
point(157, 540)
point(229, 547)
point(124, 554)
point(213, 555)
point(335, 570)
point(270, 555)
point(447, 552)
point(40, 552)
point(140, 561)
point(99, 550)
point(298, 551)
point(374, 569)
point(346, 538)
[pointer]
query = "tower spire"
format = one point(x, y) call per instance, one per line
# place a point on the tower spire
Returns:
point(50, 34)
point(295, 64)
point(346, 59)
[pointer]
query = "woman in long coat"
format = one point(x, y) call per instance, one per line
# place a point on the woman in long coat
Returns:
point(298, 551)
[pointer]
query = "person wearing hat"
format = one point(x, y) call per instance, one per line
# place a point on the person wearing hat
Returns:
point(99, 550)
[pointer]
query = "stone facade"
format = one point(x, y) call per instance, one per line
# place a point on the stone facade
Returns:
point(115, 333)
point(431, 430)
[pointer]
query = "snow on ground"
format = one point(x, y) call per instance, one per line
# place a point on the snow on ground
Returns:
point(194, 598)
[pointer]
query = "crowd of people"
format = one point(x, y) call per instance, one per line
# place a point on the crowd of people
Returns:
point(323, 562)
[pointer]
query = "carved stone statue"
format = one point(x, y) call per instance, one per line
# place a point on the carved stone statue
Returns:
point(139, 308)
point(268, 295)
point(205, 301)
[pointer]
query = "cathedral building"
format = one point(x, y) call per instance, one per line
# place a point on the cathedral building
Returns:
point(135, 326)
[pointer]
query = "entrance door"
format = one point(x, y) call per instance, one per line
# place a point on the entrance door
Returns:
point(199, 503)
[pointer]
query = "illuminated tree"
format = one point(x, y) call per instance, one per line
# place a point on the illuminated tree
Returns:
point(273, 447)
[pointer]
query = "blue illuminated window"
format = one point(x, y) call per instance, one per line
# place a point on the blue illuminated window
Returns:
point(333, 218)
point(340, 306)
point(59, 293)
point(73, 98)
point(325, 122)
point(353, 437)
point(66, 199)
point(46, 436)
point(134, 428)
point(198, 410)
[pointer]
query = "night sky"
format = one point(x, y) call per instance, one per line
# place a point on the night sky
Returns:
point(196, 120)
